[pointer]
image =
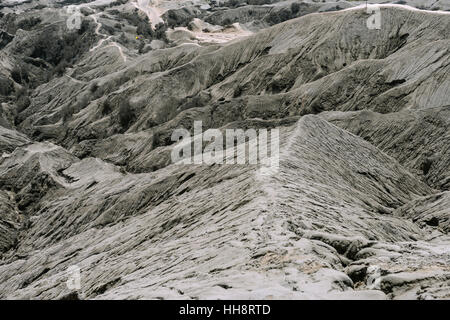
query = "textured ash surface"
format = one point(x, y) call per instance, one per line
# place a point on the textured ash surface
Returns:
point(364, 179)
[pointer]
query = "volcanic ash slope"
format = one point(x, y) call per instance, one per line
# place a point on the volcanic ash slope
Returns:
point(362, 187)
point(230, 231)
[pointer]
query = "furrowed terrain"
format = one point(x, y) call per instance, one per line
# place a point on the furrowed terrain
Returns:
point(86, 177)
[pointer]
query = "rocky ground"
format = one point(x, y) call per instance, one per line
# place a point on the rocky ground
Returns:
point(360, 205)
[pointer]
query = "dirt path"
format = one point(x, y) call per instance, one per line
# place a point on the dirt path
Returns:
point(101, 41)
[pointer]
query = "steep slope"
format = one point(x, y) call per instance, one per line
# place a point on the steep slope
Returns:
point(86, 177)
point(10, 221)
point(221, 231)
point(432, 210)
point(420, 140)
point(281, 71)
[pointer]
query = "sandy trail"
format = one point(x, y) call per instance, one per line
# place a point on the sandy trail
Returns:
point(115, 44)
point(101, 41)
